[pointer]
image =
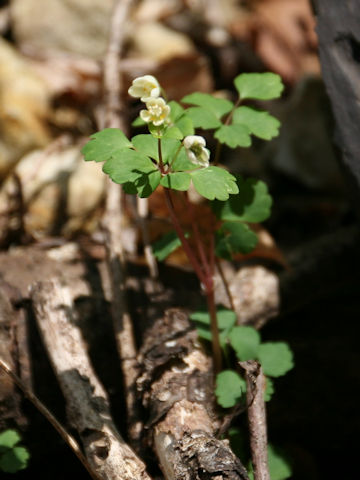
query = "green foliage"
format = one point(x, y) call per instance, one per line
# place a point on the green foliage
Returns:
point(166, 245)
point(259, 123)
point(230, 387)
point(245, 341)
point(233, 238)
point(279, 465)
point(177, 181)
point(259, 86)
point(214, 182)
point(276, 358)
point(234, 135)
point(226, 319)
point(12, 456)
point(203, 118)
point(218, 106)
point(103, 145)
point(252, 204)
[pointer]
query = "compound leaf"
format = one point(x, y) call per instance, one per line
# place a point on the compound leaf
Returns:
point(218, 106)
point(103, 145)
point(259, 86)
point(14, 459)
point(226, 319)
point(182, 162)
point(9, 438)
point(203, 118)
point(230, 387)
point(176, 181)
point(146, 144)
point(234, 135)
point(185, 124)
point(173, 132)
point(214, 182)
point(276, 358)
point(245, 341)
point(259, 123)
point(252, 204)
point(279, 466)
point(233, 238)
point(166, 245)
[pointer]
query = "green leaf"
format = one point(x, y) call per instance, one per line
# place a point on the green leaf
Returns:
point(279, 465)
point(166, 245)
point(185, 124)
point(230, 387)
point(176, 181)
point(245, 341)
point(203, 118)
point(146, 144)
point(233, 238)
point(234, 135)
point(226, 319)
point(259, 123)
point(104, 144)
point(218, 106)
point(14, 460)
point(134, 169)
point(214, 182)
point(9, 438)
point(269, 389)
point(169, 147)
point(252, 204)
point(276, 358)
point(238, 442)
point(138, 122)
point(176, 110)
point(259, 86)
point(182, 162)
point(174, 132)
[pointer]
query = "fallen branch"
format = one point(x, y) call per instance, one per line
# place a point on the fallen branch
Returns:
point(113, 222)
point(87, 403)
point(255, 388)
point(177, 389)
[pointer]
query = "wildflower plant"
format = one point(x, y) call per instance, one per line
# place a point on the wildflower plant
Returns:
point(173, 156)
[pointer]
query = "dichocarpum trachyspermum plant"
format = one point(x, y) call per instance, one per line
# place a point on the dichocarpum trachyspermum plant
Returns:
point(172, 155)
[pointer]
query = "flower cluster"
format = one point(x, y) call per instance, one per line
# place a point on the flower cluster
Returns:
point(147, 88)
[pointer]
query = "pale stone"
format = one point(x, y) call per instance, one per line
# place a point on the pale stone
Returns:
point(154, 40)
point(74, 26)
point(24, 105)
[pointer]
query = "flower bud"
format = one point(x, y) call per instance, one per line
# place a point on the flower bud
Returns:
point(196, 151)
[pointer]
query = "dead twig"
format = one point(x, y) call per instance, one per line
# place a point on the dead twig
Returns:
point(255, 388)
point(87, 403)
point(69, 439)
point(113, 221)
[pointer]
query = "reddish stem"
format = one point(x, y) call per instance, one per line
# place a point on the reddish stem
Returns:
point(215, 340)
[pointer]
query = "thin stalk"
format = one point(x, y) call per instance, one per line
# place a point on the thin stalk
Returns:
point(186, 246)
point(69, 439)
point(225, 283)
point(215, 340)
point(198, 240)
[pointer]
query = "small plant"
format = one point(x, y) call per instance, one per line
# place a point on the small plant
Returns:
point(174, 157)
point(12, 456)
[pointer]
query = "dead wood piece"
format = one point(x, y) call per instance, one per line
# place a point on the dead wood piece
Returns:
point(87, 403)
point(177, 388)
point(255, 388)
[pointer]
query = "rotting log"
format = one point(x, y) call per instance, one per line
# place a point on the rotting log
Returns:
point(86, 400)
point(338, 29)
point(177, 389)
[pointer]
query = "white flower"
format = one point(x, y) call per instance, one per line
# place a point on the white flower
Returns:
point(196, 151)
point(144, 88)
point(157, 111)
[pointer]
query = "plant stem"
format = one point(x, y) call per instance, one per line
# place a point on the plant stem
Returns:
point(225, 283)
point(180, 232)
point(215, 340)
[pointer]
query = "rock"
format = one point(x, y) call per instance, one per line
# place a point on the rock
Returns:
point(73, 26)
point(154, 40)
point(24, 105)
point(60, 191)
